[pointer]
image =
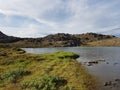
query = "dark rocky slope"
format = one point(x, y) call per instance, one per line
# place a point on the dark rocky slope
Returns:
point(8, 39)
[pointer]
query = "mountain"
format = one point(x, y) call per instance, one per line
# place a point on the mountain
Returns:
point(54, 40)
point(2, 35)
point(8, 39)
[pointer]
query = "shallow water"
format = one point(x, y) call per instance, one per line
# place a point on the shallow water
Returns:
point(106, 71)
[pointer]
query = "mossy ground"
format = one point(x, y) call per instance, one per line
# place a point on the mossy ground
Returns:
point(22, 71)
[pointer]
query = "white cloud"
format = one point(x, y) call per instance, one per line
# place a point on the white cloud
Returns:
point(67, 16)
point(28, 31)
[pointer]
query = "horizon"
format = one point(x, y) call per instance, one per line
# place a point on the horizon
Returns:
point(28, 18)
point(58, 33)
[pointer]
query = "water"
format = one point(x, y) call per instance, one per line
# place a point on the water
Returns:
point(104, 71)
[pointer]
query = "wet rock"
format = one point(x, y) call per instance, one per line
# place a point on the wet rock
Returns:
point(118, 80)
point(113, 84)
point(89, 64)
point(109, 83)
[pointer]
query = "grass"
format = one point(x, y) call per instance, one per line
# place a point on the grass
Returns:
point(12, 76)
point(53, 71)
point(46, 82)
point(106, 42)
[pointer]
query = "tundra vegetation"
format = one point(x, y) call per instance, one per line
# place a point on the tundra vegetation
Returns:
point(53, 71)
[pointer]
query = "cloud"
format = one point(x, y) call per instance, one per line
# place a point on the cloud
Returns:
point(41, 17)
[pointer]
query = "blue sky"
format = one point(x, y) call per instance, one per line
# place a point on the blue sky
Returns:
point(37, 18)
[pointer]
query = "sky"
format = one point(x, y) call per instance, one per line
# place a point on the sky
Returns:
point(38, 18)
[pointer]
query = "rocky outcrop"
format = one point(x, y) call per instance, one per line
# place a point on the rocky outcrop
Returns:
point(61, 39)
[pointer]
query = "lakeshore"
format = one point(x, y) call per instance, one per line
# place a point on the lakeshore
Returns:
point(53, 71)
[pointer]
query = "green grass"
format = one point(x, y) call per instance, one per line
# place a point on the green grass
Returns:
point(52, 71)
point(12, 76)
point(46, 82)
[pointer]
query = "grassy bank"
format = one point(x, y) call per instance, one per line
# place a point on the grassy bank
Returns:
point(55, 71)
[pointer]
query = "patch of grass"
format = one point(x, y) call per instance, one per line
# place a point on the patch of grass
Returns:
point(13, 76)
point(46, 82)
point(66, 55)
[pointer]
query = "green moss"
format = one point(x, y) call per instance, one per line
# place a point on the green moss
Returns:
point(68, 55)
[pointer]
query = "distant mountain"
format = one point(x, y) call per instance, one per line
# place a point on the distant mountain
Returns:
point(54, 40)
point(8, 39)
point(2, 35)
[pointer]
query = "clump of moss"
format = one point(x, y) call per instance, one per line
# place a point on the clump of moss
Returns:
point(63, 55)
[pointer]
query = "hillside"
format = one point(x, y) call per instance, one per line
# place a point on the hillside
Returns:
point(54, 40)
point(91, 37)
point(106, 42)
point(2, 35)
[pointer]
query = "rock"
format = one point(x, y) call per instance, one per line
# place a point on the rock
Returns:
point(109, 83)
point(88, 64)
point(118, 80)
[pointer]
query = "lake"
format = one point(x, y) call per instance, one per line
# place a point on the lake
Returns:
point(107, 71)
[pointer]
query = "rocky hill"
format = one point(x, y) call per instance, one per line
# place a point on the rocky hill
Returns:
point(61, 39)
point(90, 37)
point(2, 35)
point(54, 40)
point(8, 39)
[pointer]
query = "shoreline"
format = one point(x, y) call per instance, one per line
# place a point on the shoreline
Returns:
point(60, 64)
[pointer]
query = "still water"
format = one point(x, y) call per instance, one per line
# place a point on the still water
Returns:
point(104, 71)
